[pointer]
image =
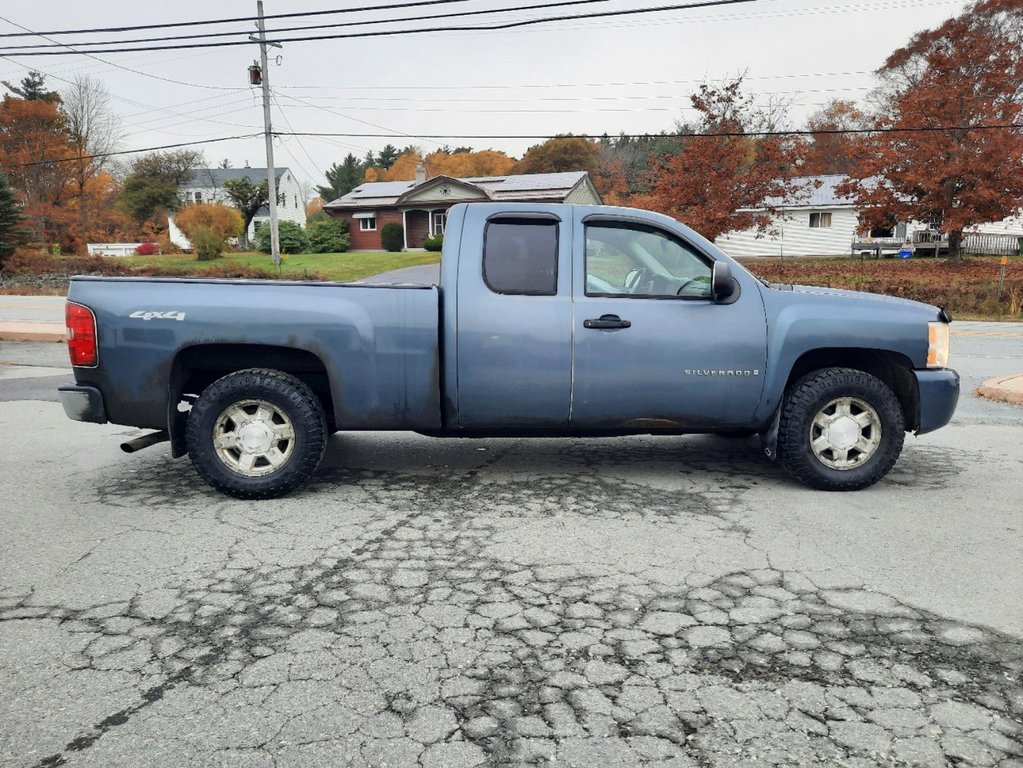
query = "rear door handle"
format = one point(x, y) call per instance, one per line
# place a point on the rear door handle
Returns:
point(607, 321)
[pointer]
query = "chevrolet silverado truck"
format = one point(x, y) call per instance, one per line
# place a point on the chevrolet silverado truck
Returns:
point(548, 320)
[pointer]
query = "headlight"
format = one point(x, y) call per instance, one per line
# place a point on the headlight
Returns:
point(937, 345)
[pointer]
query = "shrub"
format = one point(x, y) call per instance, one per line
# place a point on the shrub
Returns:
point(435, 243)
point(328, 236)
point(206, 243)
point(210, 223)
point(147, 249)
point(293, 237)
point(392, 237)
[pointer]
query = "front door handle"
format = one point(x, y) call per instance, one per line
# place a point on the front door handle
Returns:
point(607, 321)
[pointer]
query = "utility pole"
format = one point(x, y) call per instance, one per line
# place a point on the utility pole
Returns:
point(271, 173)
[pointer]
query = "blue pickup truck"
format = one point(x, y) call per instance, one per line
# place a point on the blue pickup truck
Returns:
point(549, 320)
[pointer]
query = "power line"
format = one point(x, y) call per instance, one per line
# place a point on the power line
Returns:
point(423, 30)
point(119, 66)
point(672, 136)
point(237, 19)
point(368, 22)
point(135, 151)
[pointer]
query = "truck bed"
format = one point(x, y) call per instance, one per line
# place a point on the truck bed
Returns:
point(378, 345)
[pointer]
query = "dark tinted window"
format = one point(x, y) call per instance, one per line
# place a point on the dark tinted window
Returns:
point(521, 256)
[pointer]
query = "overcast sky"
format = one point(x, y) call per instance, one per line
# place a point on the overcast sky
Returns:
point(631, 73)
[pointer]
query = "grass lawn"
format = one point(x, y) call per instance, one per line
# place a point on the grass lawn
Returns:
point(333, 266)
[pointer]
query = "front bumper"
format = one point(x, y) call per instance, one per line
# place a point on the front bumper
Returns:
point(938, 394)
point(83, 403)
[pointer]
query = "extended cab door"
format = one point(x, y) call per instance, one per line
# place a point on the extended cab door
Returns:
point(652, 348)
point(514, 318)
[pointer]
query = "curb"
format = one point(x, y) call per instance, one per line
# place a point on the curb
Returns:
point(1007, 389)
point(52, 332)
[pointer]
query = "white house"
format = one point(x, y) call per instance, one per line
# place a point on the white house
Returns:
point(825, 224)
point(207, 186)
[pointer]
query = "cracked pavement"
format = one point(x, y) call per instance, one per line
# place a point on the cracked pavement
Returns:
point(624, 602)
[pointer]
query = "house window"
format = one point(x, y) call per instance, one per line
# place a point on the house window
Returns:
point(439, 220)
point(820, 220)
point(296, 202)
point(368, 224)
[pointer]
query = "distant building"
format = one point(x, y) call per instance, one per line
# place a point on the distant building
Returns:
point(825, 224)
point(421, 206)
point(207, 186)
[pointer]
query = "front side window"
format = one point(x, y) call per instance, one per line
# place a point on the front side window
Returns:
point(439, 220)
point(821, 220)
point(368, 225)
point(520, 256)
point(198, 197)
point(635, 261)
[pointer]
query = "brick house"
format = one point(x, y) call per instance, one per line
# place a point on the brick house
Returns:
point(421, 206)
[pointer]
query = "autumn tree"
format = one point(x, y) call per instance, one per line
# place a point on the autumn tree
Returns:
point(209, 226)
point(33, 88)
point(342, 179)
point(248, 197)
point(151, 187)
point(94, 133)
point(457, 164)
point(12, 224)
point(562, 153)
point(830, 146)
point(34, 151)
point(726, 175)
point(949, 88)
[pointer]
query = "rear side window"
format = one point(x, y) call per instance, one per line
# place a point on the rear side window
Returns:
point(520, 256)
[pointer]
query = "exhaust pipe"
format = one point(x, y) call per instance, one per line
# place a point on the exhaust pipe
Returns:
point(145, 441)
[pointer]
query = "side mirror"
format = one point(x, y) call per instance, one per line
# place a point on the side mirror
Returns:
point(723, 287)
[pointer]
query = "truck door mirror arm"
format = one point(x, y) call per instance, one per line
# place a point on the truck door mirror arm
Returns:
point(724, 288)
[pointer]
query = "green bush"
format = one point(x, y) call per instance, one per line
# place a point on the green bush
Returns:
point(435, 243)
point(392, 237)
point(293, 238)
point(328, 236)
point(207, 244)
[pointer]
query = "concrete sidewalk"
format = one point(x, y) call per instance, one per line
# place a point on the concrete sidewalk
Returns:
point(1007, 389)
point(32, 318)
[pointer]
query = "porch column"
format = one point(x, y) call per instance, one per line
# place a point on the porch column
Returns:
point(404, 230)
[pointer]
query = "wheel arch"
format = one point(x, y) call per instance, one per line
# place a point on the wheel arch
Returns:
point(197, 366)
point(893, 368)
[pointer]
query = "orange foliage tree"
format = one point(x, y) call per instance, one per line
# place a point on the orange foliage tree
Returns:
point(942, 86)
point(208, 226)
point(562, 153)
point(458, 165)
point(34, 151)
point(829, 151)
point(728, 181)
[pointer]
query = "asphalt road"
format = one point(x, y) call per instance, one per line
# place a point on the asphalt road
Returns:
point(668, 601)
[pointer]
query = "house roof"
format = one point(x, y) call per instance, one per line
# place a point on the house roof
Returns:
point(530, 186)
point(215, 177)
point(822, 193)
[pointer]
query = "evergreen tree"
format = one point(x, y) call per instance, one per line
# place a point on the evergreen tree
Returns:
point(12, 231)
point(342, 179)
point(33, 88)
point(387, 156)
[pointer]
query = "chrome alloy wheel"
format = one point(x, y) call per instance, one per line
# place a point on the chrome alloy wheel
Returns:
point(845, 433)
point(253, 438)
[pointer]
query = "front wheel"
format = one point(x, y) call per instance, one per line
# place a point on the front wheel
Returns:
point(841, 429)
point(256, 434)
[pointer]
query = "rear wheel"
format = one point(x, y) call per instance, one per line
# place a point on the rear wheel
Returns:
point(841, 429)
point(257, 433)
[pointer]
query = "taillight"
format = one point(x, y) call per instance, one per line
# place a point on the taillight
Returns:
point(81, 336)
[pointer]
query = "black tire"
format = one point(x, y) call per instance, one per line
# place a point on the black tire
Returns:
point(295, 433)
point(814, 455)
